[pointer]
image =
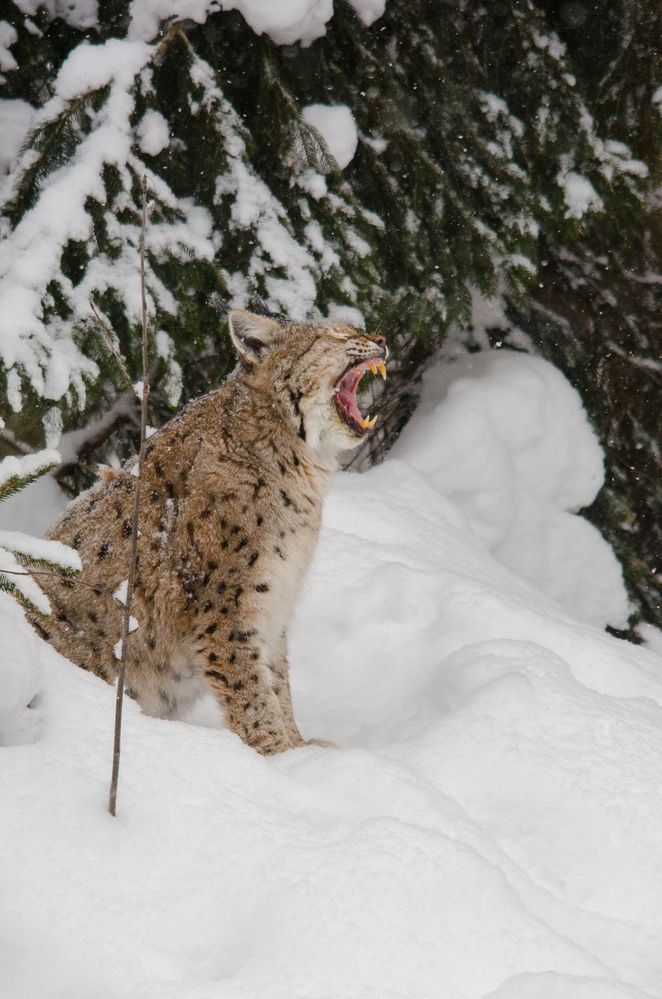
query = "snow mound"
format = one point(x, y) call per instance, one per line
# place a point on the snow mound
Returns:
point(20, 678)
point(489, 826)
point(505, 437)
point(335, 123)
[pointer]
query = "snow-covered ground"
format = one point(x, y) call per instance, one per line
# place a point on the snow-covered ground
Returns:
point(490, 823)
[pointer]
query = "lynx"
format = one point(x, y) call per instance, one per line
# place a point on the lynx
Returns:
point(233, 489)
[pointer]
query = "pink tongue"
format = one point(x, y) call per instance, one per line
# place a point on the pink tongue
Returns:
point(348, 402)
point(346, 391)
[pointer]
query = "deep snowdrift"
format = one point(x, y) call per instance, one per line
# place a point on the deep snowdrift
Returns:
point(489, 826)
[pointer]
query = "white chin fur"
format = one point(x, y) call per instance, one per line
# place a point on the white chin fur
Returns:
point(325, 431)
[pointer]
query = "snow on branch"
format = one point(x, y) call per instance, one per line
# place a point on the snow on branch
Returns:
point(19, 552)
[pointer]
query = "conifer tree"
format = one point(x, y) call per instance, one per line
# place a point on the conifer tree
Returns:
point(488, 153)
point(596, 309)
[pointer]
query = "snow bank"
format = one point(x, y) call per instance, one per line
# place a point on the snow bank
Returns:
point(506, 438)
point(489, 826)
point(20, 677)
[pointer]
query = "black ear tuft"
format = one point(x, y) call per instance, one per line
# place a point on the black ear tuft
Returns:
point(253, 336)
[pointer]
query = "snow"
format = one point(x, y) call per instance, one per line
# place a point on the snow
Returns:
point(652, 637)
point(16, 546)
point(285, 21)
point(27, 465)
point(550, 43)
point(46, 352)
point(368, 10)
point(488, 826)
point(35, 508)
point(312, 183)
point(121, 592)
point(505, 437)
point(15, 121)
point(8, 37)
point(39, 549)
point(117, 648)
point(80, 14)
point(579, 194)
point(153, 133)
point(16, 575)
point(337, 126)
point(20, 678)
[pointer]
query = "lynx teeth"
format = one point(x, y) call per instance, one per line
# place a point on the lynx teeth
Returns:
point(381, 368)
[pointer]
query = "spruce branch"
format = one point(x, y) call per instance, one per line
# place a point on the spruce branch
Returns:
point(38, 562)
point(54, 143)
point(14, 483)
point(18, 549)
point(133, 561)
point(7, 586)
point(109, 341)
point(71, 579)
point(305, 140)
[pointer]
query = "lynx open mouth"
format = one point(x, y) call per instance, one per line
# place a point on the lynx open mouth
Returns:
point(345, 394)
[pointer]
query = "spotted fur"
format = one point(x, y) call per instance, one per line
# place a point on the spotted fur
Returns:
point(232, 497)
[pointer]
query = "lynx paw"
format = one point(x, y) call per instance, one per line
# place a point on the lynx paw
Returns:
point(324, 743)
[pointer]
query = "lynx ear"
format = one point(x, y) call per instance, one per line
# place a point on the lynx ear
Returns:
point(252, 335)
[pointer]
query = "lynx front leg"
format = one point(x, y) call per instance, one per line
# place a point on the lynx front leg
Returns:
point(244, 687)
point(281, 674)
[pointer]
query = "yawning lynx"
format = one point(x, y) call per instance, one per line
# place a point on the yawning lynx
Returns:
point(232, 496)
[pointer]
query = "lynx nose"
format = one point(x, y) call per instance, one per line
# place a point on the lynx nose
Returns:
point(380, 341)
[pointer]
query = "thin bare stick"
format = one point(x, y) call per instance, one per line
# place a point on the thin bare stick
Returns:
point(119, 699)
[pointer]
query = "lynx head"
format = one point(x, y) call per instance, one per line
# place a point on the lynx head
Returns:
point(314, 371)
